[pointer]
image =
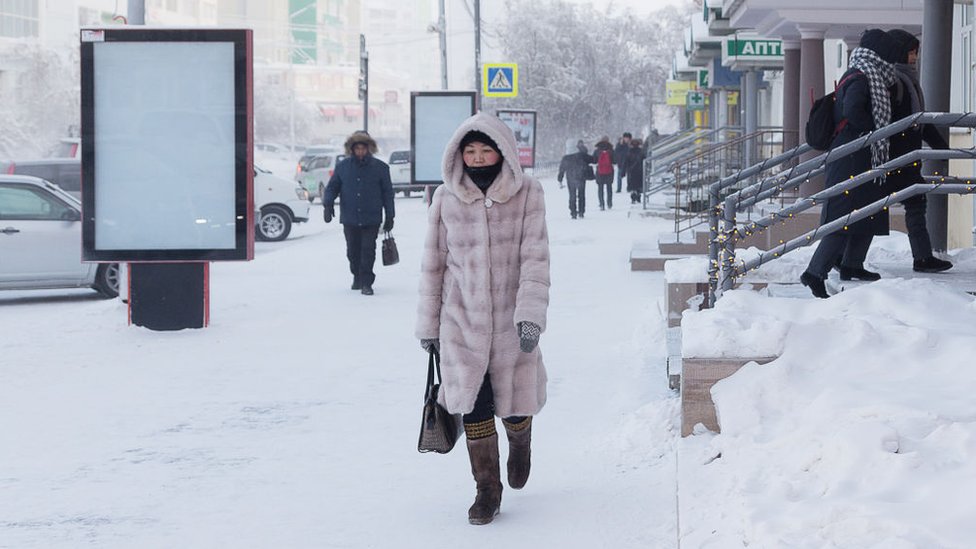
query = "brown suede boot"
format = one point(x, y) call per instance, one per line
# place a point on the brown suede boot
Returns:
point(483, 453)
point(519, 452)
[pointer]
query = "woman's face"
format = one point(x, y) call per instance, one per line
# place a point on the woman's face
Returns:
point(912, 57)
point(476, 154)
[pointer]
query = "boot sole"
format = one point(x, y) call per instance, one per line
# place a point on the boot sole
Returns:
point(931, 270)
point(483, 521)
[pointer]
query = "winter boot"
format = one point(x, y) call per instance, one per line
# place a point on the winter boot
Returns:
point(519, 451)
point(931, 265)
point(815, 283)
point(483, 453)
point(857, 273)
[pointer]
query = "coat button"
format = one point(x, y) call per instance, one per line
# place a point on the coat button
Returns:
point(488, 202)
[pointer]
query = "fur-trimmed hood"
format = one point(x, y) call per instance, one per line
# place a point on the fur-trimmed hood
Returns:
point(360, 137)
point(508, 182)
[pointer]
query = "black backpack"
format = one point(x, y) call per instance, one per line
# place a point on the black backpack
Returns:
point(820, 130)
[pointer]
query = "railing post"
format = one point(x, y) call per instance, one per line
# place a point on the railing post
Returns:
point(727, 240)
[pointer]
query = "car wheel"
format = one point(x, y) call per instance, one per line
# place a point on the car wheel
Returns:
point(107, 280)
point(275, 224)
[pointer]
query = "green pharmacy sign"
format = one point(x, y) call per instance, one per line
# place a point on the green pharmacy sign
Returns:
point(752, 52)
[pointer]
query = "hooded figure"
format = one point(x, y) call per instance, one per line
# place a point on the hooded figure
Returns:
point(484, 292)
point(863, 104)
point(907, 99)
point(575, 166)
point(362, 183)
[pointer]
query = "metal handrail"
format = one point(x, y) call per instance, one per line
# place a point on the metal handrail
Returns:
point(658, 163)
point(729, 233)
point(802, 172)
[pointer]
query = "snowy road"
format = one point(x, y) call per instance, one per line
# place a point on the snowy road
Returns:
point(292, 420)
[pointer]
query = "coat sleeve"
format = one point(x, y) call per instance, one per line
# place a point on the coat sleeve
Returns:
point(562, 170)
point(433, 265)
point(386, 188)
point(532, 299)
point(332, 189)
point(856, 107)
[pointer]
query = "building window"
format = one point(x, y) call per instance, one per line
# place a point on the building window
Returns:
point(18, 18)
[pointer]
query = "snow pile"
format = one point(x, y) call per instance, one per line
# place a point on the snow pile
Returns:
point(862, 433)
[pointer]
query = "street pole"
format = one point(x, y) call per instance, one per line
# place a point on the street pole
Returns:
point(364, 80)
point(477, 52)
point(137, 12)
point(442, 27)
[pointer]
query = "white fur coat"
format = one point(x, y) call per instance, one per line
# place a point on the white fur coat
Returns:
point(485, 268)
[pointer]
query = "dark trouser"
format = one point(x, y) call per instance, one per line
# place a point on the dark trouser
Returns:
point(620, 178)
point(918, 233)
point(361, 251)
point(605, 182)
point(484, 406)
point(849, 249)
point(577, 197)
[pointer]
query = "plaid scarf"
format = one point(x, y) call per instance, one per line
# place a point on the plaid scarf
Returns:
point(881, 76)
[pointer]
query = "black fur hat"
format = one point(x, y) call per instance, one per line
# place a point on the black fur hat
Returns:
point(480, 137)
point(904, 43)
point(880, 43)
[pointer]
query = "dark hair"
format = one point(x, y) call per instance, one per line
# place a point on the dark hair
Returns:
point(480, 137)
point(905, 42)
point(627, 134)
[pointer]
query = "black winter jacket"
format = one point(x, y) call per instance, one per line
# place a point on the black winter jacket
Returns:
point(908, 141)
point(854, 104)
point(364, 191)
point(620, 153)
point(575, 167)
point(635, 169)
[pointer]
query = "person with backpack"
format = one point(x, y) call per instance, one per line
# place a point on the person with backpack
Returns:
point(620, 155)
point(907, 99)
point(863, 104)
point(603, 155)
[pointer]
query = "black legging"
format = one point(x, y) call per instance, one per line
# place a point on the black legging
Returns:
point(484, 406)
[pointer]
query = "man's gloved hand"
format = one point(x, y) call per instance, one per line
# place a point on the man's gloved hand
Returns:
point(328, 212)
point(529, 333)
point(429, 344)
point(388, 225)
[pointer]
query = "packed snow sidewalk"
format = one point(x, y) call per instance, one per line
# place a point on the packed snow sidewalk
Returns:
point(292, 420)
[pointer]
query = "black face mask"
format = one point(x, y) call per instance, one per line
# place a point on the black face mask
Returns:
point(484, 176)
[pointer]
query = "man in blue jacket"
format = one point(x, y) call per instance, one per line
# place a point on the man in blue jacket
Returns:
point(362, 184)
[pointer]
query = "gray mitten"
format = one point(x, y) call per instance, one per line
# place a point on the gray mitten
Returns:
point(429, 344)
point(528, 335)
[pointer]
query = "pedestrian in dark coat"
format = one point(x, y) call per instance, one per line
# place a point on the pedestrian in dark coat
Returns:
point(362, 183)
point(907, 99)
point(635, 171)
point(863, 104)
point(620, 154)
point(575, 166)
point(603, 158)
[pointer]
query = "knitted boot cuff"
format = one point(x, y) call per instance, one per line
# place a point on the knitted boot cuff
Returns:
point(481, 429)
point(516, 427)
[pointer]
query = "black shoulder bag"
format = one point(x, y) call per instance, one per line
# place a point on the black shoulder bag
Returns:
point(439, 429)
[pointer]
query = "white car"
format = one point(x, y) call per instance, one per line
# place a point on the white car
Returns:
point(280, 202)
point(40, 240)
point(399, 163)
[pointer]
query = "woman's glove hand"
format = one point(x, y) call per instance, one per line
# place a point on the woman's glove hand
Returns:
point(529, 333)
point(429, 344)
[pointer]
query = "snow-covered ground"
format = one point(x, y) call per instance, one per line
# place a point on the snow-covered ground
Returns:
point(292, 420)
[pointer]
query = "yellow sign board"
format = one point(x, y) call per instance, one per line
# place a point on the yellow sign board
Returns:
point(733, 98)
point(499, 79)
point(676, 91)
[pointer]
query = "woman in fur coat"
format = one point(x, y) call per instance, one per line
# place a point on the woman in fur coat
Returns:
point(484, 291)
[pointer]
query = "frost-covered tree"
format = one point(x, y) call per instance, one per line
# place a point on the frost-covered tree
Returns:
point(272, 101)
point(39, 100)
point(588, 72)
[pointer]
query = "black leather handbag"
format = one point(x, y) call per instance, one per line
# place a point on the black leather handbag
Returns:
point(439, 429)
point(390, 254)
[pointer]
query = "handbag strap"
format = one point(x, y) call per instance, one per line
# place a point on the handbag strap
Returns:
point(433, 364)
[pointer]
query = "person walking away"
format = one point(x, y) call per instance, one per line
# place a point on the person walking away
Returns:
point(863, 104)
point(907, 99)
point(620, 153)
point(575, 166)
point(484, 293)
point(362, 184)
point(635, 171)
point(603, 154)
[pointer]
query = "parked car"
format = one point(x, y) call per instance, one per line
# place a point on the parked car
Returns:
point(280, 203)
point(316, 173)
point(63, 172)
point(40, 240)
point(311, 152)
point(400, 172)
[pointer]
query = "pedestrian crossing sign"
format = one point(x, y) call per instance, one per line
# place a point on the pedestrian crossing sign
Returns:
point(500, 79)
